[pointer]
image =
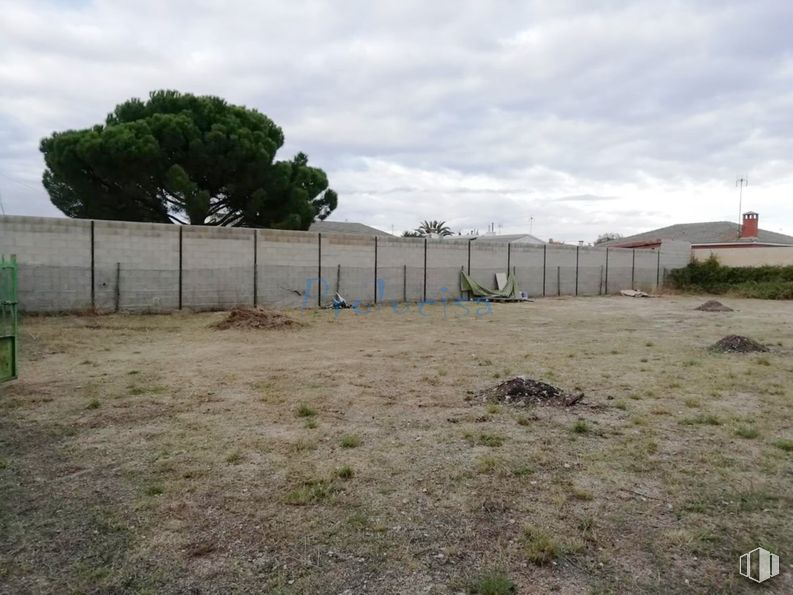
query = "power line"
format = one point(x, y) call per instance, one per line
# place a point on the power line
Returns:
point(25, 184)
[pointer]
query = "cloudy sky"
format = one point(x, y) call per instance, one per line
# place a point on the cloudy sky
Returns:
point(572, 118)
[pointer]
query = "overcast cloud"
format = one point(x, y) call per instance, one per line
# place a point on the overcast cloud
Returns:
point(585, 116)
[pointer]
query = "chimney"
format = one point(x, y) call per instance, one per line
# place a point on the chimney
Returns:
point(750, 223)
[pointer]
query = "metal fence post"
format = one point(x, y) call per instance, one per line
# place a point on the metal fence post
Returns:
point(404, 283)
point(544, 266)
point(180, 265)
point(319, 269)
point(633, 268)
point(255, 267)
point(606, 283)
point(93, 267)
point(658, 269)
point(118, 286)
point(375, 269)
point(577, 248)
point(425, 271)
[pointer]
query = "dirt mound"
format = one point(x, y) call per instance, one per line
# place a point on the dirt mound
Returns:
point(714, 306)
point(737, 344)
point(256, 318)
point(526, 391)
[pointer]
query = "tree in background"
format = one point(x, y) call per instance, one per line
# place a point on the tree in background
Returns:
point(182, 158)
point(607, 237)
point(429, 229)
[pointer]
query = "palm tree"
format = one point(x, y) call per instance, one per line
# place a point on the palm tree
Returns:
point(434, 229)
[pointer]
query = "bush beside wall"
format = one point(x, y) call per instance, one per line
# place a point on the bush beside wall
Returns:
point(765, 282)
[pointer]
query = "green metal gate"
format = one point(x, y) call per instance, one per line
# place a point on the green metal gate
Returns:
point(8, 318)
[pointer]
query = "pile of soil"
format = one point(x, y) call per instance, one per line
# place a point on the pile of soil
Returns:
point(256, 318)
point(526, 391)
point(714, 306)
point(737, 344)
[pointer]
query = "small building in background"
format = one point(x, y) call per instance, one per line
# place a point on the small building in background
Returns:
point(727, 241)
point(347, 227)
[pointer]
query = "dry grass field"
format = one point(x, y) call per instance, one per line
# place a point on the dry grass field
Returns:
point(155, 454)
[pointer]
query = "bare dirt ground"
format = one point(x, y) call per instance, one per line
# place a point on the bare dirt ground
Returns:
point(155, 454)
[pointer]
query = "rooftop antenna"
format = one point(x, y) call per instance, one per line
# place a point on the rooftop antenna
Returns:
point(531, 224)
point(741, 182)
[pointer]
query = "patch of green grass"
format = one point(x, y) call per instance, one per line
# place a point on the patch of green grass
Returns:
point(522, 471)
point(93, 404)
point(350, 441)
point(747, 432)
point(523, 420)
point(309, 492)
point(643, 360)
point(692, 403)
point(581, 427)
point(783, 444)
point(305, 411)
point(540, 547)
point(311, 423)
point(581, 494)
point(620, 405)
point(493, 582)
point(136, 390)
point(345, 472)
point(234, 457)
point(154, 489)
point(762, 361)
point(487, 464)
point(493, 408)
point(701, 420)
point(490, 440)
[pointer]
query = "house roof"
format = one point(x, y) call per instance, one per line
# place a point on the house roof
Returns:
point(523, 238)
point(346, 227)
point(709, 232)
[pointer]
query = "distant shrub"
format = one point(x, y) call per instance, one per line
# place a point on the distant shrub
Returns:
point(765, 282)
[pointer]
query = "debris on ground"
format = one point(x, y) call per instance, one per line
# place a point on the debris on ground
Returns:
point(523, 391)
point(256, 318)
point(714, 306)
point(737, 344)
point(636, 293)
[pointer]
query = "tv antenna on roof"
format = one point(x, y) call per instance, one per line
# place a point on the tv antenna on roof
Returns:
point(741, 182)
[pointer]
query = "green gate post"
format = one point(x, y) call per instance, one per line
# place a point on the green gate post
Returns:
point(8, 318)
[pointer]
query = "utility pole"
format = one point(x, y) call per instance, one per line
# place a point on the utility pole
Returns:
point(531, 223)
point(741, 182)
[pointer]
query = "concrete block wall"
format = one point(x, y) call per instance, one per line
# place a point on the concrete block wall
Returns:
point(591, 271)
point(400, 269)
point(619, 269)
point(287, 268)
point(487, 259)
point(527, 262)
point(217, 267)
point(646, 270)
point(54, 258)
point(445, 260)
point(560, 276)
point(136, 266)
point(348, 266)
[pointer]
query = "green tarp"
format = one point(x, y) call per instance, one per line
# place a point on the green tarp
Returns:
point(510, 289)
